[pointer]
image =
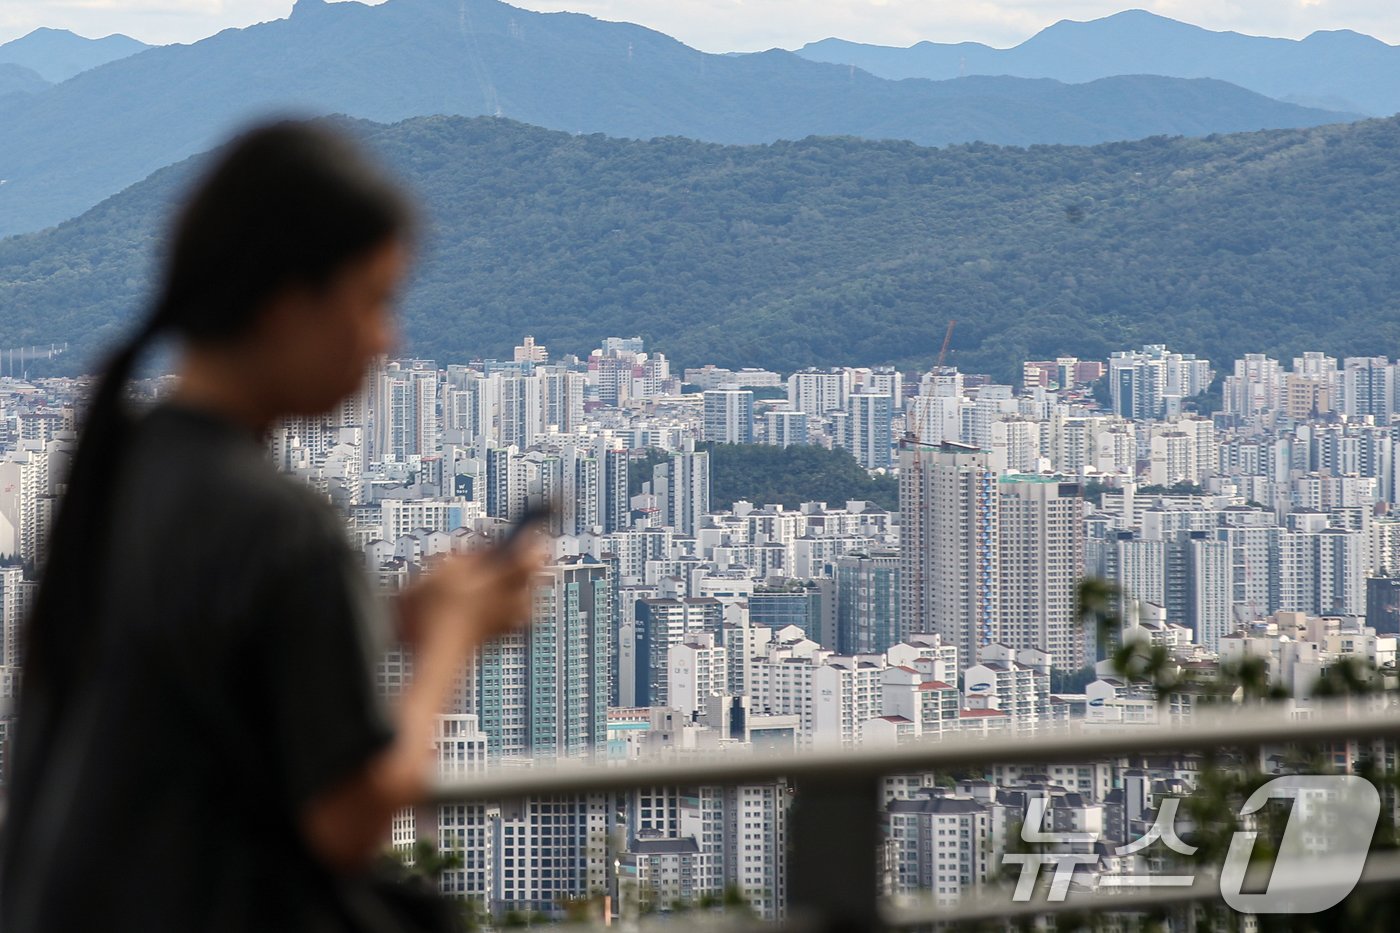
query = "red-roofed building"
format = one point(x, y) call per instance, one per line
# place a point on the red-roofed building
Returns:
point(984, 721)
point(931, 705)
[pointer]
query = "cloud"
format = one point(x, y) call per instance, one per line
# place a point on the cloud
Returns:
point(747, 25)
point(155, 21)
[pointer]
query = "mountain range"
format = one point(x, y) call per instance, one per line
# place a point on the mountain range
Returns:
point(1338, 70)
point(17, 79)
point(824, 251)
point(56, 54)
point(65, 148)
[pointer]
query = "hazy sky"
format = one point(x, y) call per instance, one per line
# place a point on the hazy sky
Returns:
point(735, 25)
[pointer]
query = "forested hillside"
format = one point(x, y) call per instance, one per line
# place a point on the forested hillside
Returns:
point(766, 475)
point(66, 148)
point(17, 79)
point(832, 250)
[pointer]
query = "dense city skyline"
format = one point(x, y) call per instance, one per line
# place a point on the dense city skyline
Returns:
point(1249, 517)
point(676, 459)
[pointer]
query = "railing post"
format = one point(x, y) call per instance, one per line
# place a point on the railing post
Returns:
point(834, 837)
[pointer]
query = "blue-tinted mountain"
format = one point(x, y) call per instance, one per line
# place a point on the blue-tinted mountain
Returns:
point(57, 54)
point(829, 251)
point(1339, 70)
point(66, 148)
point(17, 79)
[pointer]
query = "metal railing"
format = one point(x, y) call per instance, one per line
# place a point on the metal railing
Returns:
point(833, 873)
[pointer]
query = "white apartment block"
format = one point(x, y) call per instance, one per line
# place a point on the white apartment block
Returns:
point(935, 419)
point(550, 849)
point(948, 545)
point(404, 410)
point(406, 516)
point(931, 707)
point(465, 830)
point(869, 419)
point(756, 845)
point(728, 416)
point(697, 669)
point(942, 845)
point(1016, 445)
point(1015, 682)
point(1040, 565)
point(817, 393)
point(24, 484)
point(682, 487)
point(16, 594)
point(847, 694)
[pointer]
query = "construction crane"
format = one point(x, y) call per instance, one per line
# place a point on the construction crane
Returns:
point(917, 440)
point(947, 339)
point(917, 437)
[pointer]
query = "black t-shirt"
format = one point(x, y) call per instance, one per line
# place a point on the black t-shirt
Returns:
point(234, 684)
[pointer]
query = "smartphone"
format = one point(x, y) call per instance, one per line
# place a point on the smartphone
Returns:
point(535, 517)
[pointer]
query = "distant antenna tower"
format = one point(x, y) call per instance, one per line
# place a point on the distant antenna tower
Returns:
point(629, 53)
point(962, 67)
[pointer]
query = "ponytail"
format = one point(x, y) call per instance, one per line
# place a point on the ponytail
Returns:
point(56, 653)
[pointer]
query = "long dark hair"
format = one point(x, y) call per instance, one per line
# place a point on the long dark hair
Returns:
point(288, 204)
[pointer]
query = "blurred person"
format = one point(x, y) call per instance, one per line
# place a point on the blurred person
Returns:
point(199, 745)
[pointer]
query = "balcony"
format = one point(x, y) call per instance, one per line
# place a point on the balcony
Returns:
point(837, 866)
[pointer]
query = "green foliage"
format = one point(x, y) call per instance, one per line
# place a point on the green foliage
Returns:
point(1228, 776)
point(830, 250)
point(764, 474)
point(1176, 489)
point(1097, 604)
point(1102, 393)
point(1139, 661)
point(736, 902)
point(1094, 490)
point(473, 915)
point(760, 393)
point(1348, 676)
point(1062, 681)
point(1208, 402)
point(640, 467)
point(425, 861)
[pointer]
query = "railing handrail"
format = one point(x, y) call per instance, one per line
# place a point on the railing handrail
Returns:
point(1323, 722)
point(916, 911)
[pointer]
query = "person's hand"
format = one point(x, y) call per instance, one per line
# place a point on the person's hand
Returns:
point(474, 597)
